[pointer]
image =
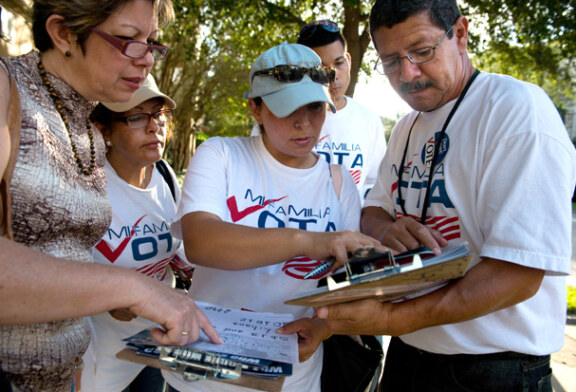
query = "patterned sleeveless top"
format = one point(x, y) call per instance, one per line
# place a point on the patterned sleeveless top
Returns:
point(58, 211)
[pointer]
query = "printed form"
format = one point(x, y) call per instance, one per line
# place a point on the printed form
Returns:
point(249, 334)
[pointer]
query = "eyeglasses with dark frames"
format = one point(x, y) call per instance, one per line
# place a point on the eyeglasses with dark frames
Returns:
point(418, 56)
point(141, 120)
point(132, 48)
point(295, 73)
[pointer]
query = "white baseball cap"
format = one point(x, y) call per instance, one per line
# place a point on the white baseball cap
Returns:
point(283, 98)
point(148, 90)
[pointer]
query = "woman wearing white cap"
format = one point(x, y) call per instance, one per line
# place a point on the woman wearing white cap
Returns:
point(143, 206)
point(258, 213)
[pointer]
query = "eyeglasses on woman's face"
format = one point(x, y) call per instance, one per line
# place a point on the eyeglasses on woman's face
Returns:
point(418, 56)
point(132, 48)
point(141, 120)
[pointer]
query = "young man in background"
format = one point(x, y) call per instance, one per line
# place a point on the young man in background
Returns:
point(354, 135)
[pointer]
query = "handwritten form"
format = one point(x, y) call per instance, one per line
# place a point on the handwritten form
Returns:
point(249, 334)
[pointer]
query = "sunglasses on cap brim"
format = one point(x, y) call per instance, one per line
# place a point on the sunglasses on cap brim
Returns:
point(295, 73)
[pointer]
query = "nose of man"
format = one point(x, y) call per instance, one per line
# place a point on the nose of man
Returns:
point(408, 71)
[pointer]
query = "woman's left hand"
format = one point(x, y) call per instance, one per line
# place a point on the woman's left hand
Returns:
point(311, 332)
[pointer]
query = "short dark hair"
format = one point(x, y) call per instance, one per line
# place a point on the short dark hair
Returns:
point(388, 13)
point(80, 16)
point(321, 37)
point(102, 115)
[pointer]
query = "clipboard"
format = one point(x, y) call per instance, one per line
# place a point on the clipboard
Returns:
point(257, 383)
point(252, 353)
point(394, 280)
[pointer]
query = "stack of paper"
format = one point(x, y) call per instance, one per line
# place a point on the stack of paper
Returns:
point(250, 347)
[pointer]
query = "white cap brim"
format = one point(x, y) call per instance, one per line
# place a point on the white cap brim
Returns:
point(147, 91)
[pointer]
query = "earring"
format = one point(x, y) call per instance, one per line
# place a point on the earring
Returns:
point(68, 53)
point(108, 145)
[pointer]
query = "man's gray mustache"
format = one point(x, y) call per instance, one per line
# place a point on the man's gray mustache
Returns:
point(415, 86)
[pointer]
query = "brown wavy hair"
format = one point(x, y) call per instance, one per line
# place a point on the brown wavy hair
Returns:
point(80, 16)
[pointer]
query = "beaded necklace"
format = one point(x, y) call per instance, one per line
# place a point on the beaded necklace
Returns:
point(60, 108)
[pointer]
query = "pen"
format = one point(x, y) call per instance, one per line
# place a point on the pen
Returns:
point(320, 269)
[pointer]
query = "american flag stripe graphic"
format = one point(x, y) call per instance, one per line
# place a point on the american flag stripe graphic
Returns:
point(156, 270)
point(448, 226)
point(299, 267)
point(356, 175)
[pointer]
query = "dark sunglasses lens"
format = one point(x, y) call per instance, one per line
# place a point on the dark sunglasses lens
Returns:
point(288, 73)
point(322, 75)
point(317, 75)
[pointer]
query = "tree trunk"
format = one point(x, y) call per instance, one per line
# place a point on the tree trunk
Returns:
point(358, 41)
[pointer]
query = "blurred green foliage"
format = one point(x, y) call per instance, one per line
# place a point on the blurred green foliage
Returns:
point(571, 300)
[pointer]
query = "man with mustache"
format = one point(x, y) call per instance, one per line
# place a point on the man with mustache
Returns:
point(486, 159)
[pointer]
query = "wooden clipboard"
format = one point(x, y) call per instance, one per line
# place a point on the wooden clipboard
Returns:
point(248, 381)
point(391, 287)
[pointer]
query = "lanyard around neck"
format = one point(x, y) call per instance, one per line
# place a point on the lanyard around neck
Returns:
point(434, 157)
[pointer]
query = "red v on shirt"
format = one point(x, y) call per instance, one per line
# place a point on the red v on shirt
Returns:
point(111, 254)
point(237, 215)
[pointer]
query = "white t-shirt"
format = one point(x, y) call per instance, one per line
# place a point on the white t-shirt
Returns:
point(239, 181)
point(504, 182)
point(138, 238)
point(352, 137)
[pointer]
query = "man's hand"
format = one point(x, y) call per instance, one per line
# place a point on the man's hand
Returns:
point(366, 317)
point(406, 234)
point(489, 286)
point(311, 332)
point(402, 234)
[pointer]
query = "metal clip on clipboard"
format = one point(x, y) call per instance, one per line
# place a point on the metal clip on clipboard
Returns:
point(196, 365)
point(368, 262)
